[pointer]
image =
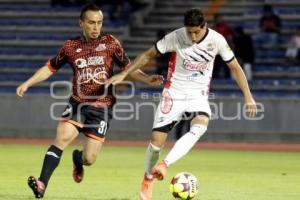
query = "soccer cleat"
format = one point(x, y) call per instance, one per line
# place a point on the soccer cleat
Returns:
point(146, 188)
point(38, 187)
point(78, 170)
point(160, 170)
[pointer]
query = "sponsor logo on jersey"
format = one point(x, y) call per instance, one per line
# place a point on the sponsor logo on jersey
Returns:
point(97, 75)
point(88, 74)
point(96, 60)
point(195, 66)
point(101, 47)
point(194, 76)
point(80, 63)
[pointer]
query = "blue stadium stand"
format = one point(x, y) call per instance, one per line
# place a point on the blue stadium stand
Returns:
point(32, 31)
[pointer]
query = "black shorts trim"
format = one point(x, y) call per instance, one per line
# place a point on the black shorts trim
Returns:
point(75, 123)
point(93, 136)
point(166, 128)
point(188, 116)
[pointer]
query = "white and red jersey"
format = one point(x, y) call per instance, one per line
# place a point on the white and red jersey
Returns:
point(191, 65)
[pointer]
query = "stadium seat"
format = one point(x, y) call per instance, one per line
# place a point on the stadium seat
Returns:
point(45, 26)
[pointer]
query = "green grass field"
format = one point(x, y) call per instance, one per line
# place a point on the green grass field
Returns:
point(223, 175)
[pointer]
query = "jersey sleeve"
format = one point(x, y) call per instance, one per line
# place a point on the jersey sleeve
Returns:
point(166, 44)
point(55, 63)
point(120, 56)
point(224, 50)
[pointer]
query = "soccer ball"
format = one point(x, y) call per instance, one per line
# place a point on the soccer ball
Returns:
point(184, 186)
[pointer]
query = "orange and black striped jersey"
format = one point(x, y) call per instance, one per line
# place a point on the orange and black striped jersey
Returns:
point(92, 64)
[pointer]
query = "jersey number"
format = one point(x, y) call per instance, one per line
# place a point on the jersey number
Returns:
point(102, 127)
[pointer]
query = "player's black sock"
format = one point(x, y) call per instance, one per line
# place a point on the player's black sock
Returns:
point(77, 158)
point(51, 161)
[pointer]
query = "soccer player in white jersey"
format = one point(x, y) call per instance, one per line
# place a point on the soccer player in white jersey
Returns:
point(194, 49)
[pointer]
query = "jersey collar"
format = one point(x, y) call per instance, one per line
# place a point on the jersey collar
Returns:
point(83, 39)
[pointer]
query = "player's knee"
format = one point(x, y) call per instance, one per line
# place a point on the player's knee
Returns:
point(62, 143)
point(154, 148)
point(157, 142)
point(89, 159)
point(201, 120)
point(198, 130)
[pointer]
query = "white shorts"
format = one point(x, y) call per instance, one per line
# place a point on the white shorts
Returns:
point(174, 104)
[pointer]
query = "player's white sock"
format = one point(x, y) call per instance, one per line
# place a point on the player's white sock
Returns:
point(185, 143)
point(152, 155)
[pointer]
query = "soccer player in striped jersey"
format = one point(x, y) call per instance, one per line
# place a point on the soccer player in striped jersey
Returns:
point(194, 48)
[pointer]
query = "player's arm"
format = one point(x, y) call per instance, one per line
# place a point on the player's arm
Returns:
point(153, 80)
point(52, 66)
point(242, 82)
point(140, 61)
point(42, 74)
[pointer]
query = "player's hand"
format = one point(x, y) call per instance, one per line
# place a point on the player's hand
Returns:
point(21, 89)
point(118, 78)
point(155, 80)
point(251, 107)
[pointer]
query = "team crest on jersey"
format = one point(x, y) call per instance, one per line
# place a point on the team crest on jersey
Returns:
point(210, 46)
point(100, 47)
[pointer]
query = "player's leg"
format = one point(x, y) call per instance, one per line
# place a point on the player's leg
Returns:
point(95, 128)
point(187, 141)
point(182, 146)
point(153, 150)
point(199, 109)
point(66, 133)
point(85, 157)
point(152, 155)
point(169, 111)
point(166, 116)
point(159, 136)
point(90, 151)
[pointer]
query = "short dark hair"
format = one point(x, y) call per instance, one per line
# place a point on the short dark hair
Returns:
point(267, 8)
point(88, 7)
point(194, 17)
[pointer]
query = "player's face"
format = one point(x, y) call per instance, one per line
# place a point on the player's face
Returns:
point(195, 33)
point(91, 24)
